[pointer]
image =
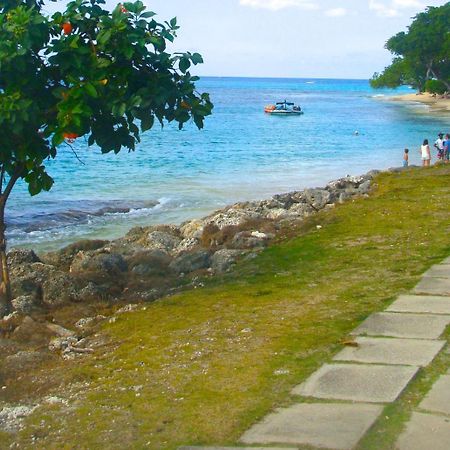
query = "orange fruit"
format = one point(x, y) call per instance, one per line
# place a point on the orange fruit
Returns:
point(67, 28)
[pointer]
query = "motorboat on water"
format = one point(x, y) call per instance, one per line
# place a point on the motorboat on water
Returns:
point(284, 108)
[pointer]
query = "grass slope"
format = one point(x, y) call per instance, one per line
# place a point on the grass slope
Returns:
point(202, 366)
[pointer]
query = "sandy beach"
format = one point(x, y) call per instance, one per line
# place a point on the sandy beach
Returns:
point(436, 103)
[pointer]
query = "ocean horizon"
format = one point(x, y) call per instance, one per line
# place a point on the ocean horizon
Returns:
point(241, 154)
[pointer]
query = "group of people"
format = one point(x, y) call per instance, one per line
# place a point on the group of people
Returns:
point(442, 146)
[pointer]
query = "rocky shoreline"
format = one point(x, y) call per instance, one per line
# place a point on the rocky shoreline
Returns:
point(92, 280)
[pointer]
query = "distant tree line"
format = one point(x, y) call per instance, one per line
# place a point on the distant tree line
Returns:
point(421, 54)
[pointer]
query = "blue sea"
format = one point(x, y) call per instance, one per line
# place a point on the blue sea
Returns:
point(241, 154)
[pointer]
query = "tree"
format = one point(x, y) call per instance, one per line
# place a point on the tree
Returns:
point(420, 54)
point(83, 72)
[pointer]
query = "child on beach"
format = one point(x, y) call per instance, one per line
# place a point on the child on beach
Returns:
point(425, 153)
point(406, 158)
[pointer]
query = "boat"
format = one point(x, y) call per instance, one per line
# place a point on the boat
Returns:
point(283, 108)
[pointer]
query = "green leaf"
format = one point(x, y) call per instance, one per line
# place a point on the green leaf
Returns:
point(147, 122)
point(196, 58)
point(184, 64)
point(148, 14)
point(90, 89)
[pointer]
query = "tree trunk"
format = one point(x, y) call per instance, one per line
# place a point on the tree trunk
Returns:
point(5, 285)
point(447, 85)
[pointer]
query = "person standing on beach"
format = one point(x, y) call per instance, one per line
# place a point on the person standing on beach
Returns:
point(425, 153)
point(446, 148)
point(439, 145)
point(406, 158)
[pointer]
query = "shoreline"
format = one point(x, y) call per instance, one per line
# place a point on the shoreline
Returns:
point(153, 261)
point(436, 104)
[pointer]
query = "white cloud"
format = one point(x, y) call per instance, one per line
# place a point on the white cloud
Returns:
point(276, 5)
point(392, 8)
point(407, 4)
point(336, 12)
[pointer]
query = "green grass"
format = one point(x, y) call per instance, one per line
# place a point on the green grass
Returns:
point(201, 367)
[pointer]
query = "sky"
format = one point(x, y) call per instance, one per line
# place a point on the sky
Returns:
point(287, 38)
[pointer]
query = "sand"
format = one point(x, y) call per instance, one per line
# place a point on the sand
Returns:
point(436, 104)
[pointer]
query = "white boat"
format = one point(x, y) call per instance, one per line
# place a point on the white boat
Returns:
point(283, 109)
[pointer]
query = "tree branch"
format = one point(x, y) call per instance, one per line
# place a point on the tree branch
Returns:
point(2, 176)
point(11, 182)
point(75, 153)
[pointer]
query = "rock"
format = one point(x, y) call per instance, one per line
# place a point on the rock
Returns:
point(231, 217)
point(32, 332)
point(59, 289)
point(63, 258)
point(127, 308)
point(364, 187)
point(12, 416)
point(259, 235)
point(190, 262)
point(317, 198)
point(44, 282)
point(110, 263)
point(87, 322)
point(245, 240)
point(300, 210)
point(25, 304)
point(18, 256)
point(276, 214)
point(91, 292)
point(186, 245)
point(10, 322)
point(61, 343)
point(344, 196)
point(160, 240)
point(26, 286)
point(223, 259)
point(149, 262)
point(59, 330)
point(192, 229)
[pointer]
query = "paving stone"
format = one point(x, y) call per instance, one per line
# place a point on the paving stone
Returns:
point(420, 326)
point(446, 261)
point(421, 304)
point(363, 383)
point(413, 352)
point(438, 399)
point(334, 426)
point(189, 447)
point(425, 431)
point(433, 286)
point(438, 271)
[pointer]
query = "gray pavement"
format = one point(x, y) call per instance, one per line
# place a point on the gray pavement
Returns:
point(431, 304)
point(438, 399)
point(336, 426)
point(433, 286)
point(404, 325)
point(357, 382)
point(413, 352)
point(425, 432)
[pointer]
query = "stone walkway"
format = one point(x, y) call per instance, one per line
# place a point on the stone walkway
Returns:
point(346, 396)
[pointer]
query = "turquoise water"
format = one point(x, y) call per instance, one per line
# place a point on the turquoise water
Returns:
point(241, 154)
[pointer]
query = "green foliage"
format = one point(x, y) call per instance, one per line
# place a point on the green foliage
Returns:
point(435, 87)
point(397, 74)
point(421, 53)
point(87, 72)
